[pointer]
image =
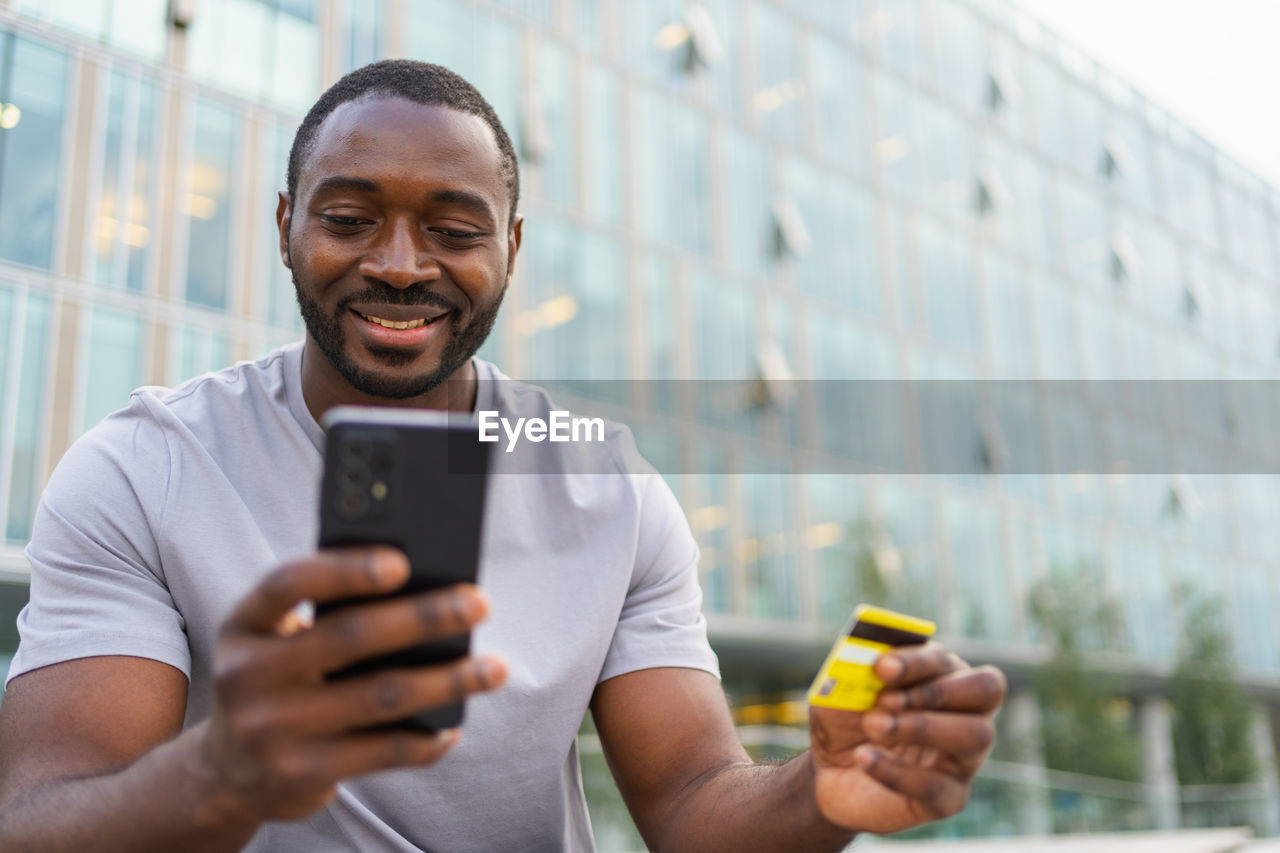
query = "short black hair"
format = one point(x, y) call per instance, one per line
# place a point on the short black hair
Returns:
point(420, 82)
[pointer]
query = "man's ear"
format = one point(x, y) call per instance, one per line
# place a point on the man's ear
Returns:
point(513, 244)
point(284, 212)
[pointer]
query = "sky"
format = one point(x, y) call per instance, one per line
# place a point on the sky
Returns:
point(1214, 64)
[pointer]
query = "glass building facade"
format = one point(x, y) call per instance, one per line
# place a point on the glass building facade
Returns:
point(853, 189)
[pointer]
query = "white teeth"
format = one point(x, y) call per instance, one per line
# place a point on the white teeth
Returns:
point(392, 324)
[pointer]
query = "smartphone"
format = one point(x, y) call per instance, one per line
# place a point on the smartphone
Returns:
point(414, 479)
point(847, 679)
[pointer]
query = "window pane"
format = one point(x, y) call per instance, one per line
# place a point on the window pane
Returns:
point(208, 205)
point(554, 90)
point(604, 193)
point(672, 162)
point(114, 362)
point(28, 426)
point(779, 83)
point(33, 78)
point(842, 266)
point(839, 80)
point(978, 569)
point(124, 226)
point(746, 201)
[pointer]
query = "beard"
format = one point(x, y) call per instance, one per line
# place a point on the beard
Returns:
point(392, 383)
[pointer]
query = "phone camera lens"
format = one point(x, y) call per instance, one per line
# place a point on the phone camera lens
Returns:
point(352, 505)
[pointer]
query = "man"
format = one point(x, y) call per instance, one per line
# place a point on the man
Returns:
point(158, 703)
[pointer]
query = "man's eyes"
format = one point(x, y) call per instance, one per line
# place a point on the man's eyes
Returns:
point(350, 223)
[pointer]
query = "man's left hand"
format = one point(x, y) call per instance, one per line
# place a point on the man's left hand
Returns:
point(912, 758)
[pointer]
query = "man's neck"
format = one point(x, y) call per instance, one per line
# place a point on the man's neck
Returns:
point(323, 388)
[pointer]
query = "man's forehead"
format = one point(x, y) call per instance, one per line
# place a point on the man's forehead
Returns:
point(382, 128)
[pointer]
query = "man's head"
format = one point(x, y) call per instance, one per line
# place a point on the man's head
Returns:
point(399, 227)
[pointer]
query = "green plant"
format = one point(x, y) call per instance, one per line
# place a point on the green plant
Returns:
point(1084, 726)
point(1212, 715)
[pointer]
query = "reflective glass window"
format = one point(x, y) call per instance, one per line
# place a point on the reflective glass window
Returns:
point(723, 332)
point(364, 23)
point(1136, 178)
point(194, 351)
point(1139, 578)
point(671, 186)
point(897, 151)
point(261, 48)
point(835, 537)
point(839, 80)
point(903, 571)
point(1188, 195)
point(903, 27)
point(604, 177)
point(948, 159)
point(1008, 312)
point(28, 343)
point(33, 92)
point(659, 337)
point(1055, 330)
point(777, 99)
point(961, 62)
point(1251, 616)
point(748, 217)
point(766, 550)
point(273, 300)
point(654, 39)
point(208, 203)
point(484, 49)
point(978, 569)
point(137, 26)
point(1088, 129)
point(127, 203)
point(842, 266)
point(554, 88)
point(572, 322)
point(1049, 103)
point(709, 518)
point(113, 362)
point(947, 280)
point(1085, 227)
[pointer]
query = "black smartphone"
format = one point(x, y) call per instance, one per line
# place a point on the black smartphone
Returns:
point(414, 479)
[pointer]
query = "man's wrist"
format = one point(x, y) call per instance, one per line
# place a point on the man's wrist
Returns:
point(825, 831)
point(216, 807)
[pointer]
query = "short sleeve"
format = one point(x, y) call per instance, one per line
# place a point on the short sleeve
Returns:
point(97, 586)
point(661, 623)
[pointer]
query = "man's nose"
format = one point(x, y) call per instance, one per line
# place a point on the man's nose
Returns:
point(402, 259)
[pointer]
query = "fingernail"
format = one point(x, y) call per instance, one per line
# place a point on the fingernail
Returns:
point(489, 670)
point(866, 756)
point(392, 567)
point(891, 700)
point(890, 668)
point(448, 734)
point(879, 724)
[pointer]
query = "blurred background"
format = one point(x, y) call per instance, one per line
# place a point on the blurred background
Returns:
point(759, 190)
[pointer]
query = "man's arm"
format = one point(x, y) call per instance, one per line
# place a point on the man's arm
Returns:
point(88, 757)
point(689, 784)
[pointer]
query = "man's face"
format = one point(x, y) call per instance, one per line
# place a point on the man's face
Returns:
point(399, 243)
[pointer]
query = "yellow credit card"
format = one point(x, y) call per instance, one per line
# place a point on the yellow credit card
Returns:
point(847, 679)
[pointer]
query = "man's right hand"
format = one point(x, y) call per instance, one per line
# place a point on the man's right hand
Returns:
point(280, 736)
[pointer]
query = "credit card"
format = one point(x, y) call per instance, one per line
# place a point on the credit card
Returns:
point(847, 679)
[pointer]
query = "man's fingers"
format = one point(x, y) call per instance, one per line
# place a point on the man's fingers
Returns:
point(979, 690)
point(936, 794)
point(357, 754)
point(913, 664)
point(389, 696)
point(962, 736)
point(351, 634)
point(329, 575)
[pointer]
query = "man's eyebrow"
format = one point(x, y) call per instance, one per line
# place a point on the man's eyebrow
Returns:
point(342, 182)
point(469, 200)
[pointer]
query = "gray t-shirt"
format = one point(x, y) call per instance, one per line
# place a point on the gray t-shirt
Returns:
point(162, 517)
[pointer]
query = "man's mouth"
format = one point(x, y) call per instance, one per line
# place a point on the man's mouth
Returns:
point(400, 324)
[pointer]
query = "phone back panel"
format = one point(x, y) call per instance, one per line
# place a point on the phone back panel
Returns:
point(415, 480)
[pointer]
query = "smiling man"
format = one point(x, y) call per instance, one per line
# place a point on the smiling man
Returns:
point(155, 702)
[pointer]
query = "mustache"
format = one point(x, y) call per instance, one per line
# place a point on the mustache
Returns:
point(395, 296)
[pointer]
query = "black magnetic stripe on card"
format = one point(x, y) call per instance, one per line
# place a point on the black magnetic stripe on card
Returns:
point(864, 630)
